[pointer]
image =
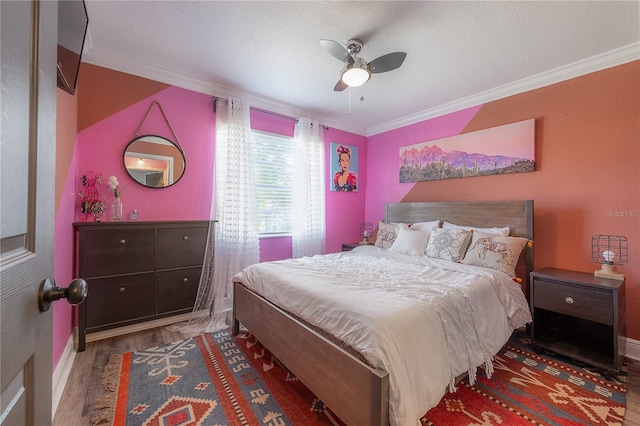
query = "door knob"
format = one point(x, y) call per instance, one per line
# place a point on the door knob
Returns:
point(75, 293)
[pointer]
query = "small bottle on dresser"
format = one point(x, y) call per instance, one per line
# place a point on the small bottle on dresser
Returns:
point(134, 215)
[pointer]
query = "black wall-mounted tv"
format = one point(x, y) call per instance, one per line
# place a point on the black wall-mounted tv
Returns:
point(73, 22)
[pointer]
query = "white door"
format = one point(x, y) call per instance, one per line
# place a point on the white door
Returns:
point(27, 159)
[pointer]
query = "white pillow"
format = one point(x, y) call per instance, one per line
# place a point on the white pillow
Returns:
point(495, 251)
point(426, 226)
point(411, 242)
point(495, 230)
point(387, 233)
point(448, 244)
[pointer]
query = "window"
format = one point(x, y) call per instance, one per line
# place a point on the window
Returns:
point(273, 166)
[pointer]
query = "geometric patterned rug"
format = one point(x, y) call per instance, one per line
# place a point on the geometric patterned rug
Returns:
point(211, 379)
point(527, 388)
point(221, 379)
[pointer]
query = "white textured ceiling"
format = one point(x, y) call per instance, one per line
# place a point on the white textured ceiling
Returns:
point(459, 54)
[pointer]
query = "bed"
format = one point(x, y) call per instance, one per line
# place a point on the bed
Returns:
point(338, 368)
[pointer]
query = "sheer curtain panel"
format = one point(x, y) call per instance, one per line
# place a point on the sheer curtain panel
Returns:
point(234, 238)
point(308, 236)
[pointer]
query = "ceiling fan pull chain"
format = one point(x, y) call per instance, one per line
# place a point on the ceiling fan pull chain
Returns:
point(349, 101)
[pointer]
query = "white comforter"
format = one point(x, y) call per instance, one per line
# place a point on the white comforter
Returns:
point(425, 321)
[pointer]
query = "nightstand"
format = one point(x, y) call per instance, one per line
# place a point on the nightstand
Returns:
point(349, 246)
point(580, 316)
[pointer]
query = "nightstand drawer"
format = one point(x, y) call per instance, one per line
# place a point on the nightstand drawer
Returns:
point(580, 302)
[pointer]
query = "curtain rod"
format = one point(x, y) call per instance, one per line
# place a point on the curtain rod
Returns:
point(286, 117)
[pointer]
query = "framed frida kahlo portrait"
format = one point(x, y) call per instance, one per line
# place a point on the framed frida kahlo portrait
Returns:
point(344, 167)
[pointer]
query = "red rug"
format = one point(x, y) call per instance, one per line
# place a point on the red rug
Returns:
point(213, 379)
point(530, 389)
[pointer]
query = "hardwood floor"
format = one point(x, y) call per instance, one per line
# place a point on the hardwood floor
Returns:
point(84, 385)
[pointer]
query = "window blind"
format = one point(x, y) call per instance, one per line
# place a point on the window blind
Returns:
point(273, 166)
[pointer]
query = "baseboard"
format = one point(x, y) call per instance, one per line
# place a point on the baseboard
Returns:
point(633, 349)
point(133, 328)
point(61, 374)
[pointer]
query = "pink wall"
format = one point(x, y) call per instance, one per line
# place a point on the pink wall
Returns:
point(345, 210)
point(63, 273)
point(100, 149)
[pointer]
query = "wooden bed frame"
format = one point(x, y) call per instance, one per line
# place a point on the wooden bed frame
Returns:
point(357, 393)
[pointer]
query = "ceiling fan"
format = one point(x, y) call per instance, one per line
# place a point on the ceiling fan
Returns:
point(357, 71)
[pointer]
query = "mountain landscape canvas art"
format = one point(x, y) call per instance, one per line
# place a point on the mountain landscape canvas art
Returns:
point(498, 150)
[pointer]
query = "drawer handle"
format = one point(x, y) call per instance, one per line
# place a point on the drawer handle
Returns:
point(186, 237)
point(185, 280)
point(123, 241)
point(122, 289)
point(569, 300)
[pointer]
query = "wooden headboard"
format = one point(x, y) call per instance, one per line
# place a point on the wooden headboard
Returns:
point(517, 215)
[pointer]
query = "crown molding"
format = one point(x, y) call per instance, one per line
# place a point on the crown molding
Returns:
point(119, 63)
point(606, 60)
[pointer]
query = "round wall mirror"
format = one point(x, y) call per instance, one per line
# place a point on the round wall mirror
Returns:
point(154, 161)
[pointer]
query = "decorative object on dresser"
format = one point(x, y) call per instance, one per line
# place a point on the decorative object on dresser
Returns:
point(92, 206)
point(137, 271)
point(580, 316)
point(116, 207)
point(609, 251)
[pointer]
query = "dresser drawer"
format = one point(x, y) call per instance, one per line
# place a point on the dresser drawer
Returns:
point(177, 290)
point(181, 247)
point(116, 299)
point(581, 302)
point(111, 252)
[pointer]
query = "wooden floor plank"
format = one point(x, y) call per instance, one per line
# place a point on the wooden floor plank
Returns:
point(84, 383)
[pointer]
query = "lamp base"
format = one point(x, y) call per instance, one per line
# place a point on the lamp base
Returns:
point(365, 242)
point(608, 271)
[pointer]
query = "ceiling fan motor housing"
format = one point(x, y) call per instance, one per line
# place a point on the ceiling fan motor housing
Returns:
point(354, 46)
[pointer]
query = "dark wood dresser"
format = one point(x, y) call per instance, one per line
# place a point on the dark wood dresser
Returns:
point(137, 271)
point(580, 316)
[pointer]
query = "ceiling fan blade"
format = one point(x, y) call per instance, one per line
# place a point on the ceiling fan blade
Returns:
point(340, 86)
point(387, 62)
point(336, 50)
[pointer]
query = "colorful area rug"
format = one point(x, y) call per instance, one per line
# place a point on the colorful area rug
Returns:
point(527, 388)
point(218, 379)
point(212, 379)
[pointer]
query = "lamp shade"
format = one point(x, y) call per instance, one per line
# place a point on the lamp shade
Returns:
point(609, 251)
point(356, 74)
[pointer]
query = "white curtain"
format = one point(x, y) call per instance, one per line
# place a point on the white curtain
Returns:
point(234, 238)
point(308, 236)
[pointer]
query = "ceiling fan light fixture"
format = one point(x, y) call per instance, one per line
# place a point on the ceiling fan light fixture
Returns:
point(356, 74)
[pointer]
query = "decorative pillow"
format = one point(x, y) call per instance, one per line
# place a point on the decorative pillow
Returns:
point(495, 251)
point(410, 242)
point(387, 233)
point(448, 244)
point(426, 226)
point(495, 230)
